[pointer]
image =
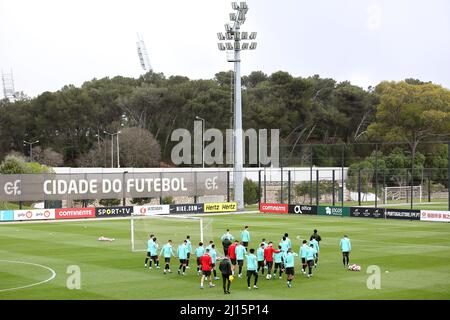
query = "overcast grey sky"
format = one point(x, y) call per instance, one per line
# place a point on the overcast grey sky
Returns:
point(51, 43)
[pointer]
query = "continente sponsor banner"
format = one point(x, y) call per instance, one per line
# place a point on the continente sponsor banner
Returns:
point(74, 213)
point(151, 210)
point(434, 215)
point(333, 211)
point(39, 214)
point(302, 209)
point(186, 208)
point(108, 212)
point(220, 207)
point(366, 212)
point(273, 208)
point(6, 215)
point(404, 214)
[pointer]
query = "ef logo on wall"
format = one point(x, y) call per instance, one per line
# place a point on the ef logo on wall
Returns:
point(13, 188)
point(211, 184)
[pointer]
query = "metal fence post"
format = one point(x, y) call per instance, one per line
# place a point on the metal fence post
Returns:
point(333, 187)
point(317, 188)
point(289, 187)
point(359, 187)
point(228, 186)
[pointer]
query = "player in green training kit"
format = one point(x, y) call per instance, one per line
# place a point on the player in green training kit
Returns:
point(245, 237)
point(213, 254)
point(260, 256)
point(315, 244)
point(150, 249)
point(182, 255)
point(240, 252)
point(310, 256)
point(278, 260)
point(289, 265)
point(189, 247)
point(168, 252)
point(153, 250)
point(198, 253)
point(251, 268)
point(346, 247)
point(303, 253)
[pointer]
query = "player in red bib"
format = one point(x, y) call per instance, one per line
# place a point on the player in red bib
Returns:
point(268, 256)
point(206, 263)
point(232, 255)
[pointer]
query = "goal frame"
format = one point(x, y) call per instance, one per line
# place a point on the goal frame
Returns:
point(405, 189)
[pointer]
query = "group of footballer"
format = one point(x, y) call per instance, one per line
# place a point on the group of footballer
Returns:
point(280, 257)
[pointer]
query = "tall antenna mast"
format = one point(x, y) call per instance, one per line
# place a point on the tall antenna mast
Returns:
point(142, 54)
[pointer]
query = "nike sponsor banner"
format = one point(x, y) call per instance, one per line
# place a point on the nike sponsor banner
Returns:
point(74, 213)
point(435, 215)
point(108, 212)
point(151, 210)
point(366, 212)
point(302, 209)
point(333, 211)
point(37, 214)
point(186, 208)
point(38, 187)
point(273, 208)
point(220, 207)
point(6, 215)
point(402, 214)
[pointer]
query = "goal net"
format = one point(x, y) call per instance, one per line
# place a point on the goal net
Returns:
point(399, 194)
point(169, 227)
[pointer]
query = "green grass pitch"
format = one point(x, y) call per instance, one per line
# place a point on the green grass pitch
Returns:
point(414, 258)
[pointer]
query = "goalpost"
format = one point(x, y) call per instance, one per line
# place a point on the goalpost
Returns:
point(402, 193)
point(169, 227)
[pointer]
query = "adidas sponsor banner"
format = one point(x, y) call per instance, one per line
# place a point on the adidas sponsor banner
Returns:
point(151, 210)
point(273, 208)
point(333, 211)
point(302, 209)
point(39, 214)
point(186, 208)
point(435, 215)
point(108, 212)
point(220, 207)
point(74, 213)
point(6, 215)
point(366, 212)
point(405, 214)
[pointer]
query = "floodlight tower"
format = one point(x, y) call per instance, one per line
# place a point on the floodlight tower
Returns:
point(233, 32)
point(8, 86)
point(142, 54)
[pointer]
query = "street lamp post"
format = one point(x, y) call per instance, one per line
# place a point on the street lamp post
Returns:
point(203, 139)
point(233, 32)
point(112, 147)
point(31, 148)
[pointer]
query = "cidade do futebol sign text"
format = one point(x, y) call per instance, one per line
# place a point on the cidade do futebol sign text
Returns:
point(31, 187)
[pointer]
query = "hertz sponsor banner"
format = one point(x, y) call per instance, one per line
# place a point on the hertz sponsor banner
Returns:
point(434, 215)
point(302, 209)
point(39, 214)
point(186, 208)
point(151, 210)
point(366, 212)
point(50, 186)
point(108, 212)
point(274, 208)
point(6, 215)
point(333, 211)
point(74, 213)
point(402, 214)
point(220, 207)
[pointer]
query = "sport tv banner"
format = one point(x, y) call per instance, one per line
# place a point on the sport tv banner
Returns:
point(302, 209)
point(38, 214)
point(38, 187)
point(274, 208)
point(151, 210)
point(6, 215)
point(108, 212)
point(74, 213)
point(366, 212)
point(403, 214)
point(435, 215)
point(333, 211)
point(186, 208)
point(220, 207)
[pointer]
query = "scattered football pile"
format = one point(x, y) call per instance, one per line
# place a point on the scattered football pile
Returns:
point(354, 267)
